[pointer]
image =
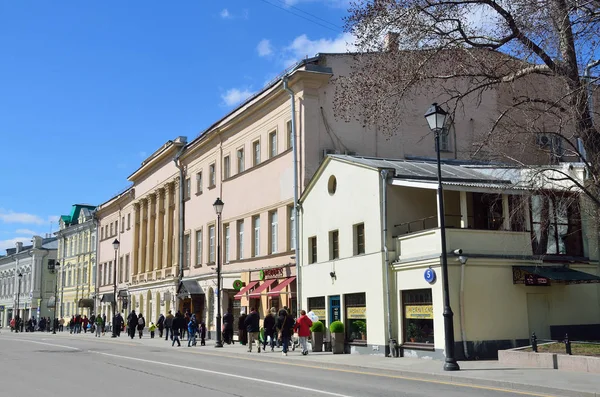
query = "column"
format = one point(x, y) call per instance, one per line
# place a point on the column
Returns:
point(144, 237)
point(505, 213)
point(464, 212)
point(160, 232)
point(168, 227)
point(175, 216)
point(151, 228)
point(136, 239)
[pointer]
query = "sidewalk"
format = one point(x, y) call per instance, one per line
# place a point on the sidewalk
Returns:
point(476, 373)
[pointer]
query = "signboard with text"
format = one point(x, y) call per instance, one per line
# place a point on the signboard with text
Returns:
point(419, 312)
point(356, 313)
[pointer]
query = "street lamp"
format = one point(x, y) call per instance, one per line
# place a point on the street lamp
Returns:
point(55, 319)
point(115, 245)
point(436, 118)
point(20, 276)
point(218, 204)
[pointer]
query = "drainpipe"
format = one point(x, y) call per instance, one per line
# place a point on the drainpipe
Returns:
point(461, 303)
point(181, 208)
point(94, 264)
point(296, 203)
point(386, 254)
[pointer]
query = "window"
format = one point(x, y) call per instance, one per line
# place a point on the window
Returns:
point(85, 244)
point(85, 273)
point(93, 246)
point(240, 239)
point(94, 274)
point(212, 175)
point(127, 268)
point(273, 234)
point(187, 188)
point(418, 316)
point(128, 221)
point(123, 225)
point(317, 306)
point(116, 227)
point(111, 229)
point(187, 248)
point(290, 136)
point(211, 244)
point(256, 235)
point(356, 317)
point(445, 139)
point(110, 272)
point(226, 167)
point(272, 144)
point(121, 269)
point(199, 183)
point(312, 250)
point(241, 162)
point(556, 225)
point(199, 247)
point(334, 245)
point(101, 271)
point(256, 153)
point(487, 211)
point(359, 239)
point(291, 228)
point(226, 239)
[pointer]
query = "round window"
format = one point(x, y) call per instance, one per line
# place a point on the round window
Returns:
point(332, 185)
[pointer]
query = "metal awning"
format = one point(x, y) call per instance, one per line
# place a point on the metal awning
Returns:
point(51, 303)
point(263, 287)
point(558, 274)
point(243, 291)
point(86, 303)
point(187, 288)
point(280, 287)
point(108, 298)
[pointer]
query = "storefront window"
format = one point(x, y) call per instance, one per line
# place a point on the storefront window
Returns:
point(317, 306)
point(418, 316)
point(356, 317)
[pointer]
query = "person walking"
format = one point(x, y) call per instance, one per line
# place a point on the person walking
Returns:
point(120, 324)
point(252, 323)
point(141, 323)
point(302, 326)
point(132, 321)
point(85, 323)
point(152, 329)
point(99, 326)
point(202, 333)
point(269, 326)
point(285, 328)
point(228, 327)
point(192, 328)
point(242, 329)
point(103, 323)
point(160, 324)
point(169, 325)
point(177, 324)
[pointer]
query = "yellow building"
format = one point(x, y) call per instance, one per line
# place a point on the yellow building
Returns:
point(77, 257)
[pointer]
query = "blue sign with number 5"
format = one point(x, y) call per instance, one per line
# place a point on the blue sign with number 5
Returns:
point(430, 276)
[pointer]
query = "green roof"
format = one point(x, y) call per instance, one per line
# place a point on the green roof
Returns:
point(75, 211)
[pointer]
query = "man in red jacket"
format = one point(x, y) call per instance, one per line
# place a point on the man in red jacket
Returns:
point(302, 326)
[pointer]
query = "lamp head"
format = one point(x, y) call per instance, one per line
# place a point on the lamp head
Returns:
point(436, 117)
point(116, 244)
point(20, 275)
point(218, 204)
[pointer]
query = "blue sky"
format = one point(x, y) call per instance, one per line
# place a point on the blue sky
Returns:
point(89, 88)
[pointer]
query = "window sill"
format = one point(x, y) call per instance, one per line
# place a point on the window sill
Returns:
point(198, 265)
point(212, 187)
point(418, 346)
point(198, 194)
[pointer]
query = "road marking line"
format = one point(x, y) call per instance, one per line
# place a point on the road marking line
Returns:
point(43, 343)
point(308, 389)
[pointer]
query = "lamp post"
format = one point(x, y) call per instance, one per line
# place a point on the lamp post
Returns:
point(436, 118)
point(114, 301)
point(20, 276)
point(54, 318)
point(218, 204)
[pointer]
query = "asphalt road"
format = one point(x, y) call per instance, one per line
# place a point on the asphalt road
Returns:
point(33, 365)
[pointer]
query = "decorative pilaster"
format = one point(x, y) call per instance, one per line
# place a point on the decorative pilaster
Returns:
point(151, 231)
point(144, 235)
point(176, 195)
point(160, 229)
point(136, 239)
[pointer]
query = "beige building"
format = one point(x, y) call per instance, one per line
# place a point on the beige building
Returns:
point(116, 219)
point(77, 257)
point(528, 257)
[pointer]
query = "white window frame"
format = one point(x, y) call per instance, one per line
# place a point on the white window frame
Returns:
point(272, 144)
point(226, 238)
point(226, 167)
point(240, 240)
point(211, 243)
point(199, 243)
point(212, 175)
point(289, 134)
point(256, 236)
point(256, 153)
point(199, 182)
point(274, 226)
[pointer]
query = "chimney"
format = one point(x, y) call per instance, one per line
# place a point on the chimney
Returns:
point(391, 42)
point(37, 242)
point(19, 246)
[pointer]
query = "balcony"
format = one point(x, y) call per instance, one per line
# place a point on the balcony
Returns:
point(427, 243)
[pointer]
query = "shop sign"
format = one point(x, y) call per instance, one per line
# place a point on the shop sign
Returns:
point(430, 276)
point(532, 279)
point(267, 274)
point(356, 313)
point(2, 308)
point(419, 312)
point(319, 312)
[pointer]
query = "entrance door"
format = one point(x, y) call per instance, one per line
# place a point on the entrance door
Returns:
point(335, 310)
point(538, 312)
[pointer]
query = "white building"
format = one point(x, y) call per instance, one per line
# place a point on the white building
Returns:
point(518, 278)
point(37, 284)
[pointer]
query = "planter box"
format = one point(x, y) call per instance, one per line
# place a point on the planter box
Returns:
point(317, 341)
point(550, 360)
point(337, 343)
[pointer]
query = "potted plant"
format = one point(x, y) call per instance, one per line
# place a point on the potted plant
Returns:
point(337, 337)
point(413, 332)
point(361, 327)
point(317, 330)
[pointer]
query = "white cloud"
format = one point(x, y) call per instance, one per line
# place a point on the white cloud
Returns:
point(27, 232)
point(264, 48)
point(235, 95)
point(10, 243)
point(20, 217)
point(302, 46)
point(225, 14)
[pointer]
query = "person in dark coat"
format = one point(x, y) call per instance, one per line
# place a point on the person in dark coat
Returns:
point(228, 327)
point(141, 324)
point(120, 323)
point(160, 324)
point(169, 325)
point(242, 332)
point(252, 323)
point(132, 321)
point(269, 326)
point(178, 324)
point(202, 332)
point(103, 323)
point(117, 322)
point(285, 327)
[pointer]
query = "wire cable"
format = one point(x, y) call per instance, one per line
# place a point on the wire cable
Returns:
point(338, 30)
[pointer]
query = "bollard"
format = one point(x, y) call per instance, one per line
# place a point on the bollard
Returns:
point(568, 344)
point(534, 343)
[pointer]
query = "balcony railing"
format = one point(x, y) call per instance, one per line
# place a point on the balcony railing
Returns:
point(452, 221)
